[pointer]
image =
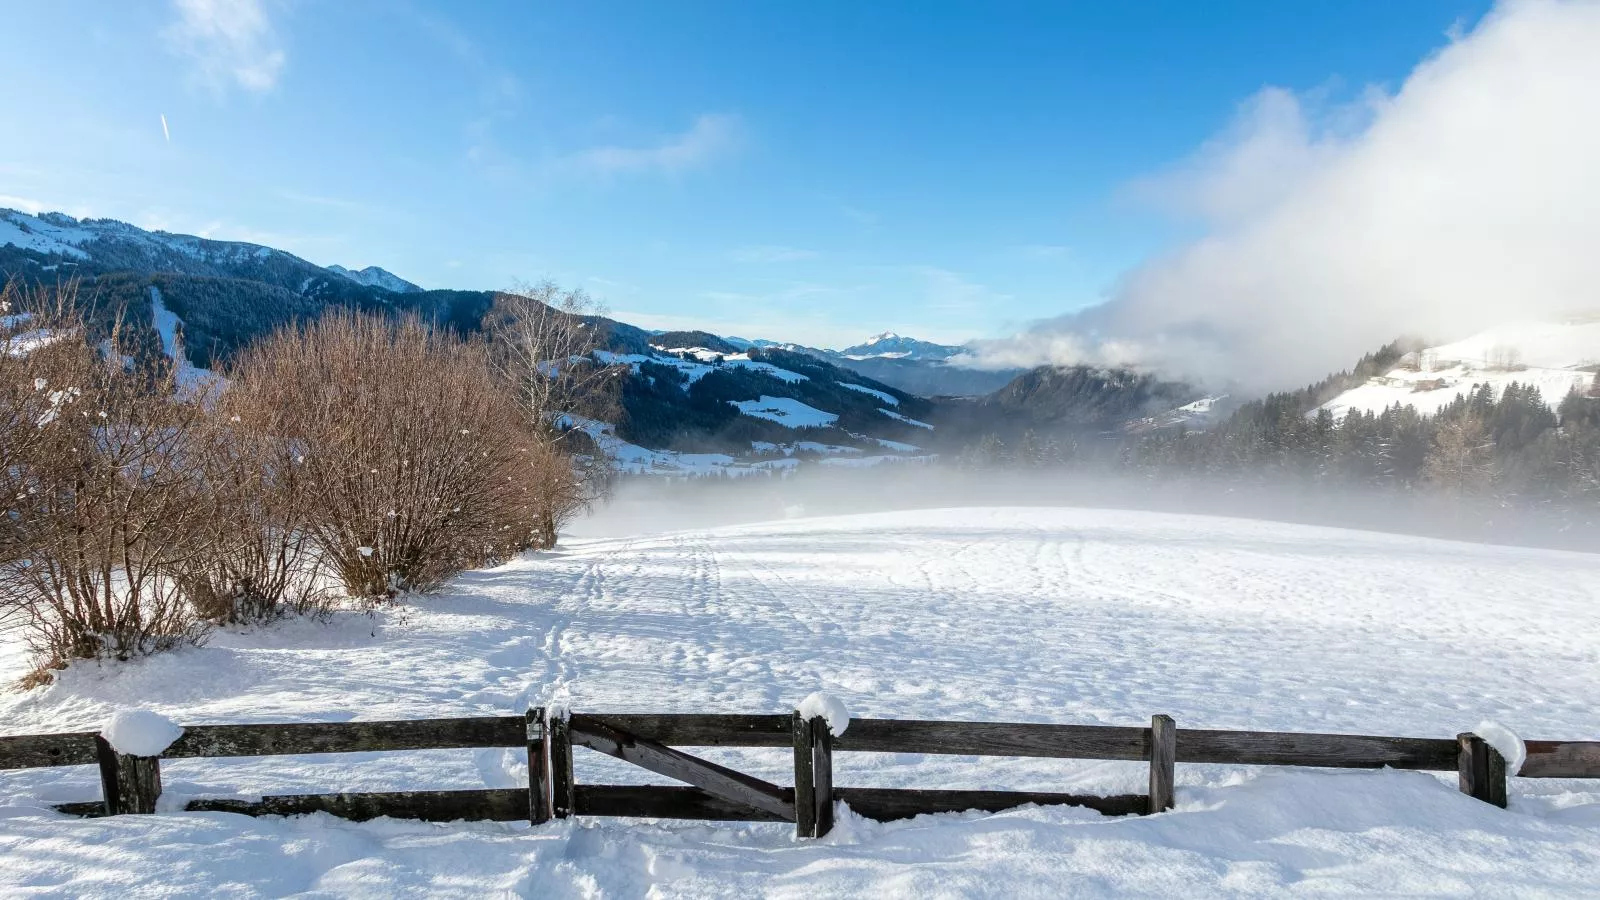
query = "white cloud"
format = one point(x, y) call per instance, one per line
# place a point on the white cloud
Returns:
point(952, 292)
point(24, 204)
point(711, 137)
point(230, 42)
point(1467, 197)
point(1276, 141)
point(770, 253)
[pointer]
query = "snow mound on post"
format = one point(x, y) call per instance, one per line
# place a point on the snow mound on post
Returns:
point(1506, 741)
point(140, 732)
point(830, 708)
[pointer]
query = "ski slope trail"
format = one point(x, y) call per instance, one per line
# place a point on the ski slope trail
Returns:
point(1006, 614)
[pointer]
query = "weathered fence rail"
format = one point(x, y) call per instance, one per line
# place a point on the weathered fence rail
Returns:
point(714, 792)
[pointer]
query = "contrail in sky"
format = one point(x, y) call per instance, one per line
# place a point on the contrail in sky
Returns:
point(164, 130)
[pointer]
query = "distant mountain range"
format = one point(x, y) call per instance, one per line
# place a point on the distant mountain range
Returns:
point(916, 366)
point(927, 377)
point(695, 403)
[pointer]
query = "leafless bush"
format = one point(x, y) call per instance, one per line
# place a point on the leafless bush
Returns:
point(28, 365)
point(410, 459)
point(103, 502)
point(265, 564)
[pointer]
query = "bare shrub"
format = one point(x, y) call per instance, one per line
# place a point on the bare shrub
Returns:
point(408, 460)
point(104, 504)
point(28, 365)
point(265, 564)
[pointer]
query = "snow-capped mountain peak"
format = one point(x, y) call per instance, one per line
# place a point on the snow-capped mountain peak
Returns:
point(895, 346)
point(374, 276)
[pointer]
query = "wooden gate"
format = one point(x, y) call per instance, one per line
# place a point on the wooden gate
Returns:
point(717, 792)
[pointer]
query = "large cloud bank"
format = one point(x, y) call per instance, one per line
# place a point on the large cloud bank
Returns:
point(1469, 196)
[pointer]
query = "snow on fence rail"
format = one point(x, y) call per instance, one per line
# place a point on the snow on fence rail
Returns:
point(131, 784)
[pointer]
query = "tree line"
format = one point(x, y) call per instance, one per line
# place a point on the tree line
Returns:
point(1509, 447)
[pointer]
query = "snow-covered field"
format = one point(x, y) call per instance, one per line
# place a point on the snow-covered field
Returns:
point(694, 371)
point(786, 411)
point(1047, 615)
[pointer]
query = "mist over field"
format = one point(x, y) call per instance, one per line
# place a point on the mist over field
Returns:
point(651, 506)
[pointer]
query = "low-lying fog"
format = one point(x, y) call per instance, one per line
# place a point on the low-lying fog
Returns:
point(654, 505)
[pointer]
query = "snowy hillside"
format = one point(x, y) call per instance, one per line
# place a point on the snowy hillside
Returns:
point(1042, 615)
point(55, 233)
point(786, 411)
point(43, 234)
point(1200, 414)
point(755, 410)
point(192, 380)
point(1554, 356)
point(106, 245)
point(703, 361)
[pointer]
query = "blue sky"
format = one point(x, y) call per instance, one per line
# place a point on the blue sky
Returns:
point(815, 172)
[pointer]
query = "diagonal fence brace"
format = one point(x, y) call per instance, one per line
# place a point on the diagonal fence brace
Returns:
point(721, 782)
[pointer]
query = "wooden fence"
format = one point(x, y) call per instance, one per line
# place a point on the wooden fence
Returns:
point(132, 784)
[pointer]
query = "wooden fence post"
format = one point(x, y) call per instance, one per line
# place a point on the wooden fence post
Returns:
point(558, 735)
point(1482, 770)
point(538, 768)
point(131, 784)
point(1163, 762)
point(805, 785)
point(822, 774)
point(813, 776)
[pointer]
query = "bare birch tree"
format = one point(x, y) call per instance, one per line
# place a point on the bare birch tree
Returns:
point(1461, 460)
point(547, 344)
